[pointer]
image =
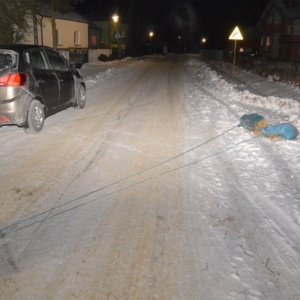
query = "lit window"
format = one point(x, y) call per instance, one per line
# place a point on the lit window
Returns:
point(93, 40)
point(268, 42)
point(77, 41)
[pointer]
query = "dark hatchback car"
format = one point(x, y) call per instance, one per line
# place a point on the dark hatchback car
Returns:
point(35, 82)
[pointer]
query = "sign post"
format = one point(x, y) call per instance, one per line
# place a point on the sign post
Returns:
point(235, 35)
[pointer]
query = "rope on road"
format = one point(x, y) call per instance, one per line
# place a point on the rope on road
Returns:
point(151, 168)
point(4, 231)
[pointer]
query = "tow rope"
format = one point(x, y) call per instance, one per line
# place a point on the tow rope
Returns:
point(32, 220)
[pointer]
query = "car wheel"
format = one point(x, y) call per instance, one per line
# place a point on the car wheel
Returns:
point(35, 117)
point(80, 100)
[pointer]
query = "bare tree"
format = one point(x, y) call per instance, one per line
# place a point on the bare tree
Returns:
point(14, 17)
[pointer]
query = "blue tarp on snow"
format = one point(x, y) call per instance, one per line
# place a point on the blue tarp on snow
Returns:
point(284, 130)
point(255, 122)
point(251, 122)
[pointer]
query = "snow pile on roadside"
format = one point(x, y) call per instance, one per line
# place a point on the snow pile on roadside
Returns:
point(101, 76)
point(101, 71)
point(282, 105)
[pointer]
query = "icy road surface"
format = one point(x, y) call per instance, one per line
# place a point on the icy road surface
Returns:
point(153, 192)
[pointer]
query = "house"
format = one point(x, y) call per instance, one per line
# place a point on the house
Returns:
point(94, 34)
point(72, 33)
point(250, 43)
point(279, 29)
point(77, 37)
point(114, 35)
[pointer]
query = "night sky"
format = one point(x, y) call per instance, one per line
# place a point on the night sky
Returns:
point(189, 19)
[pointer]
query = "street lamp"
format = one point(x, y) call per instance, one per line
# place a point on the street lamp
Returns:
point(115, 18)
point(179, 44)
point(203, 43)
point(151, 35)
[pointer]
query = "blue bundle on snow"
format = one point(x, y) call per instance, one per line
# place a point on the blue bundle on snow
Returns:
point(255, 122)
point(252, 122)
point(285, 130)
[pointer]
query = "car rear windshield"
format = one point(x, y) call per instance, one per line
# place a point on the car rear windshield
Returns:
point(8, 61)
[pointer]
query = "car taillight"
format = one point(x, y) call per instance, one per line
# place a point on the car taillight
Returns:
point(4, 119)
point(18, 79)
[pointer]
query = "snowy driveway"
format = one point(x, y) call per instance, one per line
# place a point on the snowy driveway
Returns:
point(152, 191)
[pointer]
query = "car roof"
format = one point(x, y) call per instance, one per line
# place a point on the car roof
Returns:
point(21, 47)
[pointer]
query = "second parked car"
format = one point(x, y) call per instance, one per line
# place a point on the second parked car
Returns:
point(35, 82)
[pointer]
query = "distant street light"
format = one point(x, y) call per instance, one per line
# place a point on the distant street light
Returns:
point(151, 35)
point(180, 44)
point(202, 47)
point(115, 18)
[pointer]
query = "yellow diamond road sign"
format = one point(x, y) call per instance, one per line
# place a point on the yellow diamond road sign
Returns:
point(236, 34)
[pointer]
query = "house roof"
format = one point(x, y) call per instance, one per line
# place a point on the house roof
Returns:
point(288, 11)
point(70, 15)
point(92, 25)
point(285, 10)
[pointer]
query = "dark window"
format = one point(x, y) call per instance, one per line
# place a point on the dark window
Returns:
point(3, 61)
point(56, 61)
point(37, 59)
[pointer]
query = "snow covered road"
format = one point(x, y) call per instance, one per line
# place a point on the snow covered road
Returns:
point(152, 191)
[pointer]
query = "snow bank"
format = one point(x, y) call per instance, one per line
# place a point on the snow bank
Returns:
point(282, 105)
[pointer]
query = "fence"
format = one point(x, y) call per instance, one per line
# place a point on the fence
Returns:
point(85, 55)
point(75, 55)
point(93, 54)
point(78, 55)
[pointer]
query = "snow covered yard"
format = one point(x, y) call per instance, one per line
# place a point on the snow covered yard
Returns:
point(165, 197)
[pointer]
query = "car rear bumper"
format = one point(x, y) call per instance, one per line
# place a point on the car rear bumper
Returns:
point(14, 111)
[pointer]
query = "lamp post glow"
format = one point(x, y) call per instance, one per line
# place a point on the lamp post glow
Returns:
point(151, 35)
point(115, 18)
point(202, 46)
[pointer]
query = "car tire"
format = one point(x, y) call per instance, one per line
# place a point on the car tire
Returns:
point(80, 98)
point(35, 117)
